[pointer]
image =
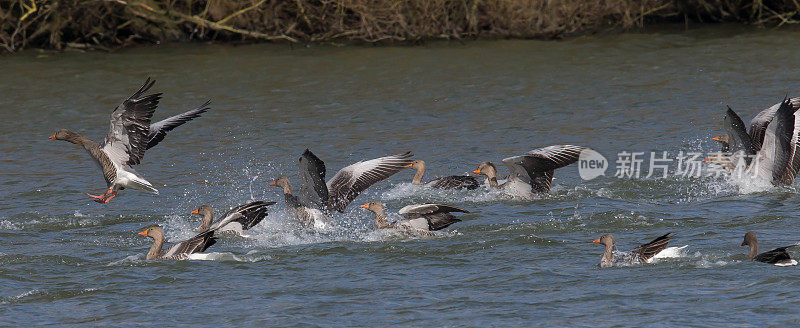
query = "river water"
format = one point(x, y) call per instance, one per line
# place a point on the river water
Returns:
point(511, 262)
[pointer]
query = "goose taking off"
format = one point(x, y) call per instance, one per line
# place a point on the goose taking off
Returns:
point(770, 150)
point(642, 254)
point(179, 251)
point(130, 135)
point(420, 219)
point(317, 198)
point(448, 182)
point(236, 220)
point(533, 172)
point(778, 256)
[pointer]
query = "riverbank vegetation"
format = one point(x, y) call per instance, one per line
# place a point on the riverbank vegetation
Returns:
point(112, 24)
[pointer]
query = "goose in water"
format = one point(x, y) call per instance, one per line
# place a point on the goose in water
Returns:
point(770, 150)
point(180, 251)
point(316, 198)
point(778, 256)
point(130, 135)
point(532, 172)
point(239, 219)
point(642, 254)
point(420, 219)
point(448, 182)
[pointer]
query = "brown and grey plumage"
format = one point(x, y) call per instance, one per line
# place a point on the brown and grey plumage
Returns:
point(641, 254)
point(532, 172)
point(772, 141)
point(129, 136)
point(778, 256)
point(158, 130)
point(179, 251)
point(236, 220)
point(420, 219)
point(345, 185)
point(447, 182)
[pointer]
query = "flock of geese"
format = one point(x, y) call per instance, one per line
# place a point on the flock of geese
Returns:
point(769, 151)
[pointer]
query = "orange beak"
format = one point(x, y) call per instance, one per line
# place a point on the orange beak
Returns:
point(365, 206)
point(707, 159)
point(596, 240)
point(195, 212)
point(53, 136)
point(715, 138)
point(273, 183)
point(409, 165)
point(477, 172)
point(144, 233)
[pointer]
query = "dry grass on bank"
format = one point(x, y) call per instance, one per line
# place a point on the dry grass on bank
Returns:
point(110, 24)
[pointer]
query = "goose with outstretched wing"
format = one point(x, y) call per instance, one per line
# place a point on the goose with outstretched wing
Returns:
point(419, 219)
point(130, 135)
point(316, 197)
point(764, 142)
point(770, 150)
point(237, 220)
point(532, 172)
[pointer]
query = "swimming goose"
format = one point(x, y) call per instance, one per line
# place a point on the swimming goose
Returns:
point(778, 256)
point(343, 188)
point(533, 172)
point(129, 136)
point(421, 219)
point(237, 219)
point(772, 142)
point(642, 254)
point(179, 251)
point(448, 182)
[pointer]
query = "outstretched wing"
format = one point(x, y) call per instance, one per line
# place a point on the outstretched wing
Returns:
point(196, 244)
point(159, 129)
point(738, 138)
point(536, 167)
point(313, 191)
point(127, 139)
point(759, 123)
point(647, 251)
point(423, 209)
point(248, 215)
point(776, 153)
point(350, 181)
point(437, 215)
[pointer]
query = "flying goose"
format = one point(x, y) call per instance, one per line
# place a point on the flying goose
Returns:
point(448, 182)
point(642, 254)
point(532, 172)
point(237, 219)
point(318, 198)
point(778, 256)
point(771, 143)
point(130, 135)
point(420, 219)
point(181, 250)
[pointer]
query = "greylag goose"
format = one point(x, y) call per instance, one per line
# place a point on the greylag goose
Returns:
point(237, 219)
point(778, 256)
point(420, 219)
point(642, 254)
point(723, 141)
point(316, 197)
point(771, 143)
point(532, 172)
point(130, 135)
point(448, 182)
point(179, 251)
